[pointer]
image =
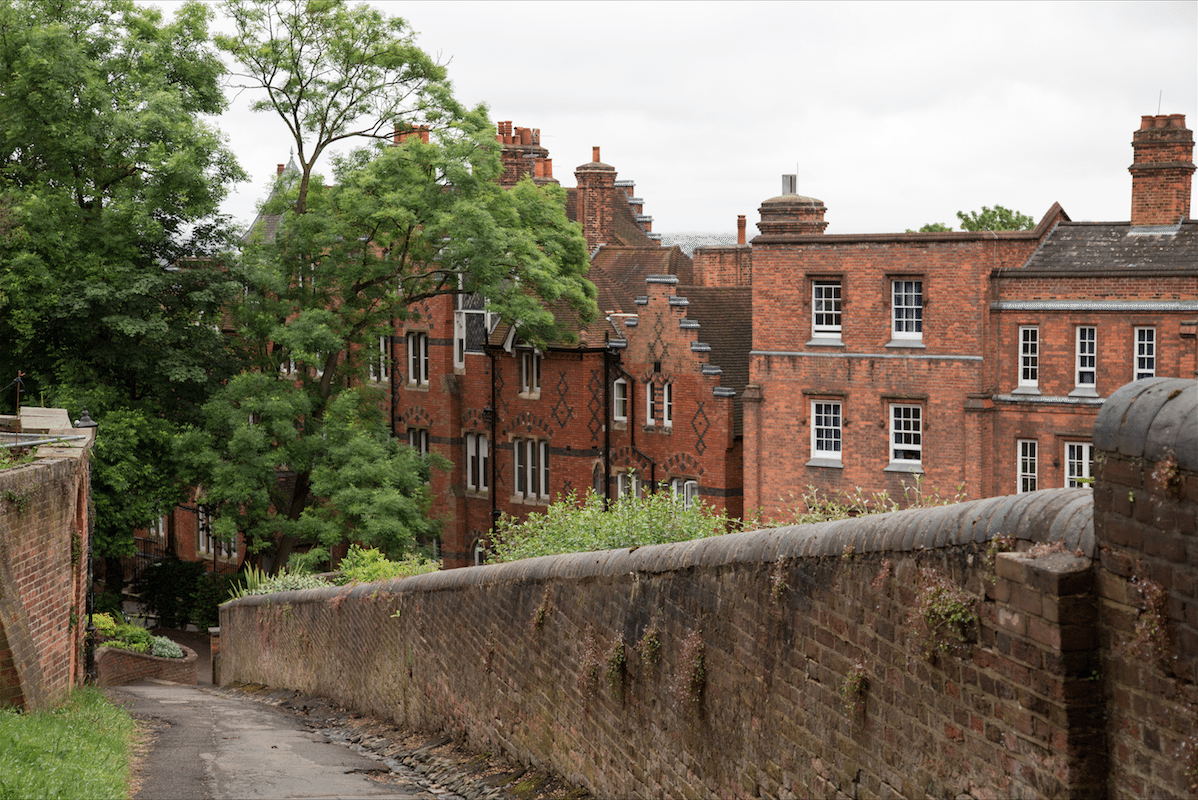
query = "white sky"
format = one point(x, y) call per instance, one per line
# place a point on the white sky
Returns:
point(894, 114)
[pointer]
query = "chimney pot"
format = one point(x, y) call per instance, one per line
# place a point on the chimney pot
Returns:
point(548, 168)
point(595, 153)
point(281, 168)
point(740, 228)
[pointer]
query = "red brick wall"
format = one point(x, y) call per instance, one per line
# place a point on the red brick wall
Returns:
point(117, 667)
point(43, 577)
point(1162, 171)
point(517, 657)
point(1146, 528)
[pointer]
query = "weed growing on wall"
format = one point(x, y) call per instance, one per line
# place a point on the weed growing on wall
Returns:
point(650, 648)
point(538, 616)
point(815, 505)
point(614, 668)
point(1152, 640)
point(1003, 543)
point(943, 619)
point(884, 572)
point(592, 664)
point(1165, 479)
point(691, 677)
point(20, 498)
point(854, 687)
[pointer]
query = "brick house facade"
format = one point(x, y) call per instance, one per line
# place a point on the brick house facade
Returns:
point(644, 398)
point(974, 359)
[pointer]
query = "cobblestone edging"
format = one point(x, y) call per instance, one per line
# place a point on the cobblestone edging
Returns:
point(458, 776)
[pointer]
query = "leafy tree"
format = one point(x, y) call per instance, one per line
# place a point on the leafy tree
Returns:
point(332, 72)
point(933, 227)
point(995, 219)
point(110, 177)
point(290, 452)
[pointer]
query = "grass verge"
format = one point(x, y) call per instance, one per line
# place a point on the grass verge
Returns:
point(81, 749)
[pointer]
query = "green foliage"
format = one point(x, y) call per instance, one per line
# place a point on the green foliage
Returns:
point(933, 227)
point(178, 592)
point(943, 618)
point(570, 526)
point(995, 219)
point(614, 668)
point(164, 648)
point(125, 637)
point(818, 506)
point(110, 172)
point(852, 690)
point(81, 749)
point(104, 624)
point(650, 647)
point(691, 677)
point(10, 458)
point(285, 581)
point(366, 565)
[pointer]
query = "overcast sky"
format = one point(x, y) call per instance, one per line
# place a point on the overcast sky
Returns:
point(894, 114)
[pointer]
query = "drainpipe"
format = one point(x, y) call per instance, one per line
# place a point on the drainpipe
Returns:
point(607, 422)
point(494, 446)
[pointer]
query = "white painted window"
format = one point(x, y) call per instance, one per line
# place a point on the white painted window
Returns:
point(530, 372)
point(906, 434)
point(380, 362)
point(480, 554)
point(1087, 355)
point(907, 309)
point(628, 484)
point(477, 462)
point(1079, 463)
point(532, 468)
point(1028, 470)
point(207, 542)
point(667, 405)
point(417, 359)
point(826, 430)
point(619, 410)
point(418, 439)
point(650, 404)
point(684, 491)
point(1029, 356)
point(825, 309)
point(1145, 366)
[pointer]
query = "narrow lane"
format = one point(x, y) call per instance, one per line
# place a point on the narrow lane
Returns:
point(209, 747)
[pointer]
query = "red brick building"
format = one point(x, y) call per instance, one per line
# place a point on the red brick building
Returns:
point(647, 396)
point(977, 360)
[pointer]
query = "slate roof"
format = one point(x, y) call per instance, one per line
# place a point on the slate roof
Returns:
point(1113, 248)
point(725, 317)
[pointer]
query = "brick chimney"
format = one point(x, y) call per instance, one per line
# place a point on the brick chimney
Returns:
point(522, 155)
point(791, 213)
point(596, 185)
point(1161, 170)
point(740, 228)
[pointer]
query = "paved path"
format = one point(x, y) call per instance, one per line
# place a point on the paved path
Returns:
point(209, 747)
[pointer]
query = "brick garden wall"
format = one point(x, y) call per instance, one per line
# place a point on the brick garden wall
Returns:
point(43, 577)
point(117, 667)
point(740, 654)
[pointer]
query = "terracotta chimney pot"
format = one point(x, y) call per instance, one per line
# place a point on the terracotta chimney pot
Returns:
point(740, 228)
point(281, 168)
point(595, 153)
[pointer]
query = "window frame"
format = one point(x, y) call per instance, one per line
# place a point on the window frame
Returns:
point(1086, 363)
point(628, 484)
point(650, 404)
point(417, 357)
point(418, 439)
point(530, 373)
point(909, 446)
point(380, 362)
point(1029, 357)
point(531, 461)
point(1144, 351)
point(667, 405)
point(899, 324)
point(619, 406)
point(684, 491)
point(1086, 464)
point(478, 462)
point(1027, 452)
point(826, 329)
point(817, 452)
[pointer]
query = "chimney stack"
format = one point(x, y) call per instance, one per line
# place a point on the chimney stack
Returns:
point(281, 168)
point(1161, 170)
point(740, 228)
point(595, 154)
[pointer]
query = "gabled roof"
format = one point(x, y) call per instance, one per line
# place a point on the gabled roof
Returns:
point(1114, 248)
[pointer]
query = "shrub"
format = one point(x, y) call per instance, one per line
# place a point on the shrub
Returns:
point(571, 526)
point(366, 565)
point(168, 590)
point(104, 624)
point(257, 582)
point(164, 648)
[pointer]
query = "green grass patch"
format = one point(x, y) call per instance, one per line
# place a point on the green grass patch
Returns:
point(81, 749)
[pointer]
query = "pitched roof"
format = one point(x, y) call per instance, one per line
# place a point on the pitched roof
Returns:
point(1114, 248)
point(725, 317)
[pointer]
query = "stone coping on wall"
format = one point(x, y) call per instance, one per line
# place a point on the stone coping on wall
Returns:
point(1149, 419)
point(1049, 515)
